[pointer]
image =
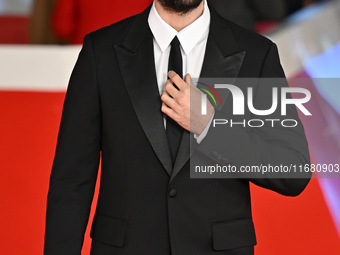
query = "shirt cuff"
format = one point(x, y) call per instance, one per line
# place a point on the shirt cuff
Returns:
point(199, 138)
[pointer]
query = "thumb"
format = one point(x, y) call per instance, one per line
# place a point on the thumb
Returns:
point(188, 78)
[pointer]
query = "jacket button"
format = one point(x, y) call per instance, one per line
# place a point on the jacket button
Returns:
point(173, 193)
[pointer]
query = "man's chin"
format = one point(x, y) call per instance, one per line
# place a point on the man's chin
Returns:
point(180, 6)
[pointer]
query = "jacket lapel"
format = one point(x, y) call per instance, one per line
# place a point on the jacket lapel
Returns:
point(135, 56)
point(222, 59)
point(136, 61)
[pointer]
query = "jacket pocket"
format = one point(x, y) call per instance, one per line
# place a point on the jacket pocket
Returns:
point(233, 234)
point(108, 230)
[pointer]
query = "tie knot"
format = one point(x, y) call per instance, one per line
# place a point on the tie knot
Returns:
point(175, 42)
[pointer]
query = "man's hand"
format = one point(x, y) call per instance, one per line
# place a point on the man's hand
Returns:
point(183, 105)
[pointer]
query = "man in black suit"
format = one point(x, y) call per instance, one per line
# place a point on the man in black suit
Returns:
point(118, 109)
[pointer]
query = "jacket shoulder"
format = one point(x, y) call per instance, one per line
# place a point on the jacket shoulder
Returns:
point(248, 39)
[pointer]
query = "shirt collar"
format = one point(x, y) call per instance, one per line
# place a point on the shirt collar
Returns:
point(188, 36)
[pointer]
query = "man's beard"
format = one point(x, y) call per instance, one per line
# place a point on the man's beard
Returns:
point(180, 6)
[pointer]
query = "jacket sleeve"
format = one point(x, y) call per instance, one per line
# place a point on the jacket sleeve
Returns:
point(76, 160)
point(276, 146)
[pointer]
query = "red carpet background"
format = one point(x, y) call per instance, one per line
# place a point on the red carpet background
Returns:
point(28, 134)
point(14, 29)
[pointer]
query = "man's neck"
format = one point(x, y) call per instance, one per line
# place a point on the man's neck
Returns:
point(177, 20)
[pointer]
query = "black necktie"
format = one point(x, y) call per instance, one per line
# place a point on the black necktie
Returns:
point(174, 131)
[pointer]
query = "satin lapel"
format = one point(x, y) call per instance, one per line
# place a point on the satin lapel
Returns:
point(222, 59)
point(218, 66)
point(137, 67)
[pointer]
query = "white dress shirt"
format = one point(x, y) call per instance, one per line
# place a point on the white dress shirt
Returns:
point(193, 40)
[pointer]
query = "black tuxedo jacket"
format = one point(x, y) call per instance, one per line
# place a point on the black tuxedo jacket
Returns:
point(146, 205)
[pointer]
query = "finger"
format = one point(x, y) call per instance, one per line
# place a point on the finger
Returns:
point(175, 78)
point(170, 88)
point(169, 112)
point(169, 101)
